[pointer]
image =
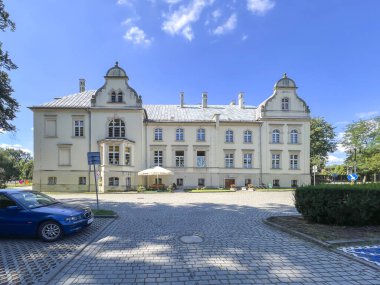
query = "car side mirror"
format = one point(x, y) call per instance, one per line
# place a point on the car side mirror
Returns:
point(13, 208)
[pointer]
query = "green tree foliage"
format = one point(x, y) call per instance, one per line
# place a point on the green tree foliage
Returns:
point(15, 164)
point(8, 105)
point(362, 141)
point(322, 141)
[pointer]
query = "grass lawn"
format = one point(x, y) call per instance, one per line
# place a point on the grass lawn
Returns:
point(274, 189)
point(102, 212)
point(210, 190)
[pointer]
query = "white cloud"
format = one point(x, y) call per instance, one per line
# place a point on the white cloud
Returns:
point(179, 21)
point(124, 2)
point(173, 2)
point(244, 37)
point(332, 159)
point(367, 115)
point(228, 26)
point(216, 14)
point(15, 146)
point(260, 6)
point(340, 148)
point(137, 36)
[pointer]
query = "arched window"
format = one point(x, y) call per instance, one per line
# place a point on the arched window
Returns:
point(201, 135)
point(158, 134)
point(229, 136)
point(276, 136)
point(285, 104)
point(120, 96)
point(247, 136)
point(294, 136)
point(179, 134)
point(116, 129)
point(113, 96)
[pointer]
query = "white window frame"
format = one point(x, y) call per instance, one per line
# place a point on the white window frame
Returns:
point(294, 137)
point(229, 160)
point(294, 161)
point(276, 161)
point(52, 180)
point(247, 136)
point(114, 155)
point(82, 180)
point(158, 158)
point(127, 155)
point(276, 136)
point(201, 134)
point(116, 129)
point(201, 160)
point(179, 159)
point(78, 128)
point(113, 181)
point(285, 104)
point(179, 134)
point(247, 160)
point(158, 134)
point(229, 136)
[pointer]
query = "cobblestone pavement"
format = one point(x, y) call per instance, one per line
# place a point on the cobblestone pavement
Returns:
point(28, 261)
point(143, 246)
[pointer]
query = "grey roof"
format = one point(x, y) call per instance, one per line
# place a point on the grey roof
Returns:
point(164, 113)
point(77, 100)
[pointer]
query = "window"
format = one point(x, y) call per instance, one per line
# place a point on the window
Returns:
point(294, 183)
point(120, 97)
point(82, 180)
point(158, 134)
point(229, 160)
point(179, 134)
point(127, 155)
point(50, 126)
point(201, 182)
point(285, 104)
point(113, 97)
point(276, 136)
point(180, 158)
point(201, 135)
point(113, 181)
point(201, 158)
point(247, 160)
point(229, 136)
point(276, 161)
point(179, 181)
point(276, 183)
point(78, 128)
point(247, 182)
point(158, 157)
point(52, 180)
point(113, 154)
point(64, 154)
point(157, 180)
point(6, 202)
point(294, 136)
point(293, 161)
point(116, 129)
point(247, 136)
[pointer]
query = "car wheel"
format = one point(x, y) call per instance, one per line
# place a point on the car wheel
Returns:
point(50, 231)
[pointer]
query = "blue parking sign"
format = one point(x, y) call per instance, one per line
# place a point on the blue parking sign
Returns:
point(93, 158)
point(352, 176)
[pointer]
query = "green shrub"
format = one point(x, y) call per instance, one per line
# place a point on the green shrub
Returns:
point(353, 205)
point(141, 189)
point(170, 188)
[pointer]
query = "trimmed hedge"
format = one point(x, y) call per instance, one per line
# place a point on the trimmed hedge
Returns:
point(351, 205)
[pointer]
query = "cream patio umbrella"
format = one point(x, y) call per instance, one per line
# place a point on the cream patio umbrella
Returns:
point(157, 170)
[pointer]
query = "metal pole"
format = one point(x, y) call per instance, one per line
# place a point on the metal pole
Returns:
point(314, 178)
point(96, 187)
point(355, 160)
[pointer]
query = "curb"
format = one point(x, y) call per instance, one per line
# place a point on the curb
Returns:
point(325, 245)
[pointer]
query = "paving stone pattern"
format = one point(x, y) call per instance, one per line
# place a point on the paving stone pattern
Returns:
point(27, 261)
point(143, 246)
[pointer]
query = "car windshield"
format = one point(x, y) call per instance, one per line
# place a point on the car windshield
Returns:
point(33, 199)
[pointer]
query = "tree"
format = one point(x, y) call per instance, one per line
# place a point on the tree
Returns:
point(14, 164)
point(27, 170)
point(322, 141)
point(362, 142)
point(8, 105)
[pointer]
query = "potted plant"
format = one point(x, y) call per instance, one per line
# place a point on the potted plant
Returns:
point(233, 187)
point(250, 187)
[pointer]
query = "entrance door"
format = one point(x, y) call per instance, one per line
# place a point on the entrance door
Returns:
point(128, 183)
point(228, 183)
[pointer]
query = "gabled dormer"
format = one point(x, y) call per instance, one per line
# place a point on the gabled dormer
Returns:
point(284, 101)
point(116, 92)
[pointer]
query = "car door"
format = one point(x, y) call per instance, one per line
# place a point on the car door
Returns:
point(14, 220)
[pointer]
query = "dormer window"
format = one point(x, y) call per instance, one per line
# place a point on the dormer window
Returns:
point(285, 104)
point(120, 97)
point(113, 97)
point(116, 129)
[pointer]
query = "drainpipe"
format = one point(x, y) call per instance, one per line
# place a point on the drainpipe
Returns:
point(89, 148)
point(261, 156)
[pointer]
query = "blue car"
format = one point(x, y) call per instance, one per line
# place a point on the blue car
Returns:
point(31, 214)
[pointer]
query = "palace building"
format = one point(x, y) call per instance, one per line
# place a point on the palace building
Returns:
point(203, 145)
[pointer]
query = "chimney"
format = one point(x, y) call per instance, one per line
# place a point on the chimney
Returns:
point(204, 100)
point(82, 85)
point(182, 98)
point(241, 100)
point(216, 118)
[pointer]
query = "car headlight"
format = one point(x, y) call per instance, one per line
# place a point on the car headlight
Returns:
point(72, 219)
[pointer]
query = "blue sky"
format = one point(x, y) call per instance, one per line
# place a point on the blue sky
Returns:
point(329, 47)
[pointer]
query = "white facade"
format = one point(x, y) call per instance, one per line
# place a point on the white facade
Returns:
point(204, 145)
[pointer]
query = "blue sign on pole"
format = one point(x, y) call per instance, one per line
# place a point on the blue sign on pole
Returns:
point(352, 176)
point(93, 158)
